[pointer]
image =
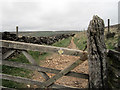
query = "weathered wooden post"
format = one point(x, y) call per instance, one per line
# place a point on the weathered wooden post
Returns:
point(96, 53)
point(108, 25)
point(16, 31)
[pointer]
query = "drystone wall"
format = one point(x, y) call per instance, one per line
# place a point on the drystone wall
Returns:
point(36, 40)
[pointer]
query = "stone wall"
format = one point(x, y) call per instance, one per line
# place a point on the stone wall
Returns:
point(37, 40)
point(114, 69)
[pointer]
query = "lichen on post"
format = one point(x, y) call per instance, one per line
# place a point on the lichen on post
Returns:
point(96, 53)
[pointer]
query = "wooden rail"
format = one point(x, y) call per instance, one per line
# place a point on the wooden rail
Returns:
point(28, 81)
point(43, 69)
point(41, 48)
point(113, 54)
point(6, 88)
point(7, 54)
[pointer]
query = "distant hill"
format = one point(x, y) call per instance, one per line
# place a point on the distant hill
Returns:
point(44, 33)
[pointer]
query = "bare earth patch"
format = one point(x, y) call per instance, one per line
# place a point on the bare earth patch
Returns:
point(60, 62)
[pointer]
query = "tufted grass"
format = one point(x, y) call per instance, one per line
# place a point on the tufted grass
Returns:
point(63, 43)
point(80, 40)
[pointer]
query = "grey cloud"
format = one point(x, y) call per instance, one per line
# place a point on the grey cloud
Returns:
point(20, 13)
point(76, 16)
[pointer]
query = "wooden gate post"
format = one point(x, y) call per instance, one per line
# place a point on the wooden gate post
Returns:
point(108, 25)
point(16, 31)
point(96, 54)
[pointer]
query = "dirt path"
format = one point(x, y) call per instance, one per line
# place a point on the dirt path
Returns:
point(62, 61)
point(72, 44)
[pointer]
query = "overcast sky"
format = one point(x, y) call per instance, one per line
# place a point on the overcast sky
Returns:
point(36, 15)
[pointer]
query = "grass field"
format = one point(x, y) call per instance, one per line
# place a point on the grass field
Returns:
point(44, 33)
point(80, 40)
point(63, 43)
point(111, 42)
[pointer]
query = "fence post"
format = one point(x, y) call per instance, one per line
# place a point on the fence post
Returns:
point(16, 31)
point(108, 25)
point(96, 54)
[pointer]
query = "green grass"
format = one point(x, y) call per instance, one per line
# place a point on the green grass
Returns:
point(16, 72)
point(63, 43)
point(19, 71)
point(80, 40)
point(38, 56)
point(19, 58)
point(111, 42)
point(12, 84)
